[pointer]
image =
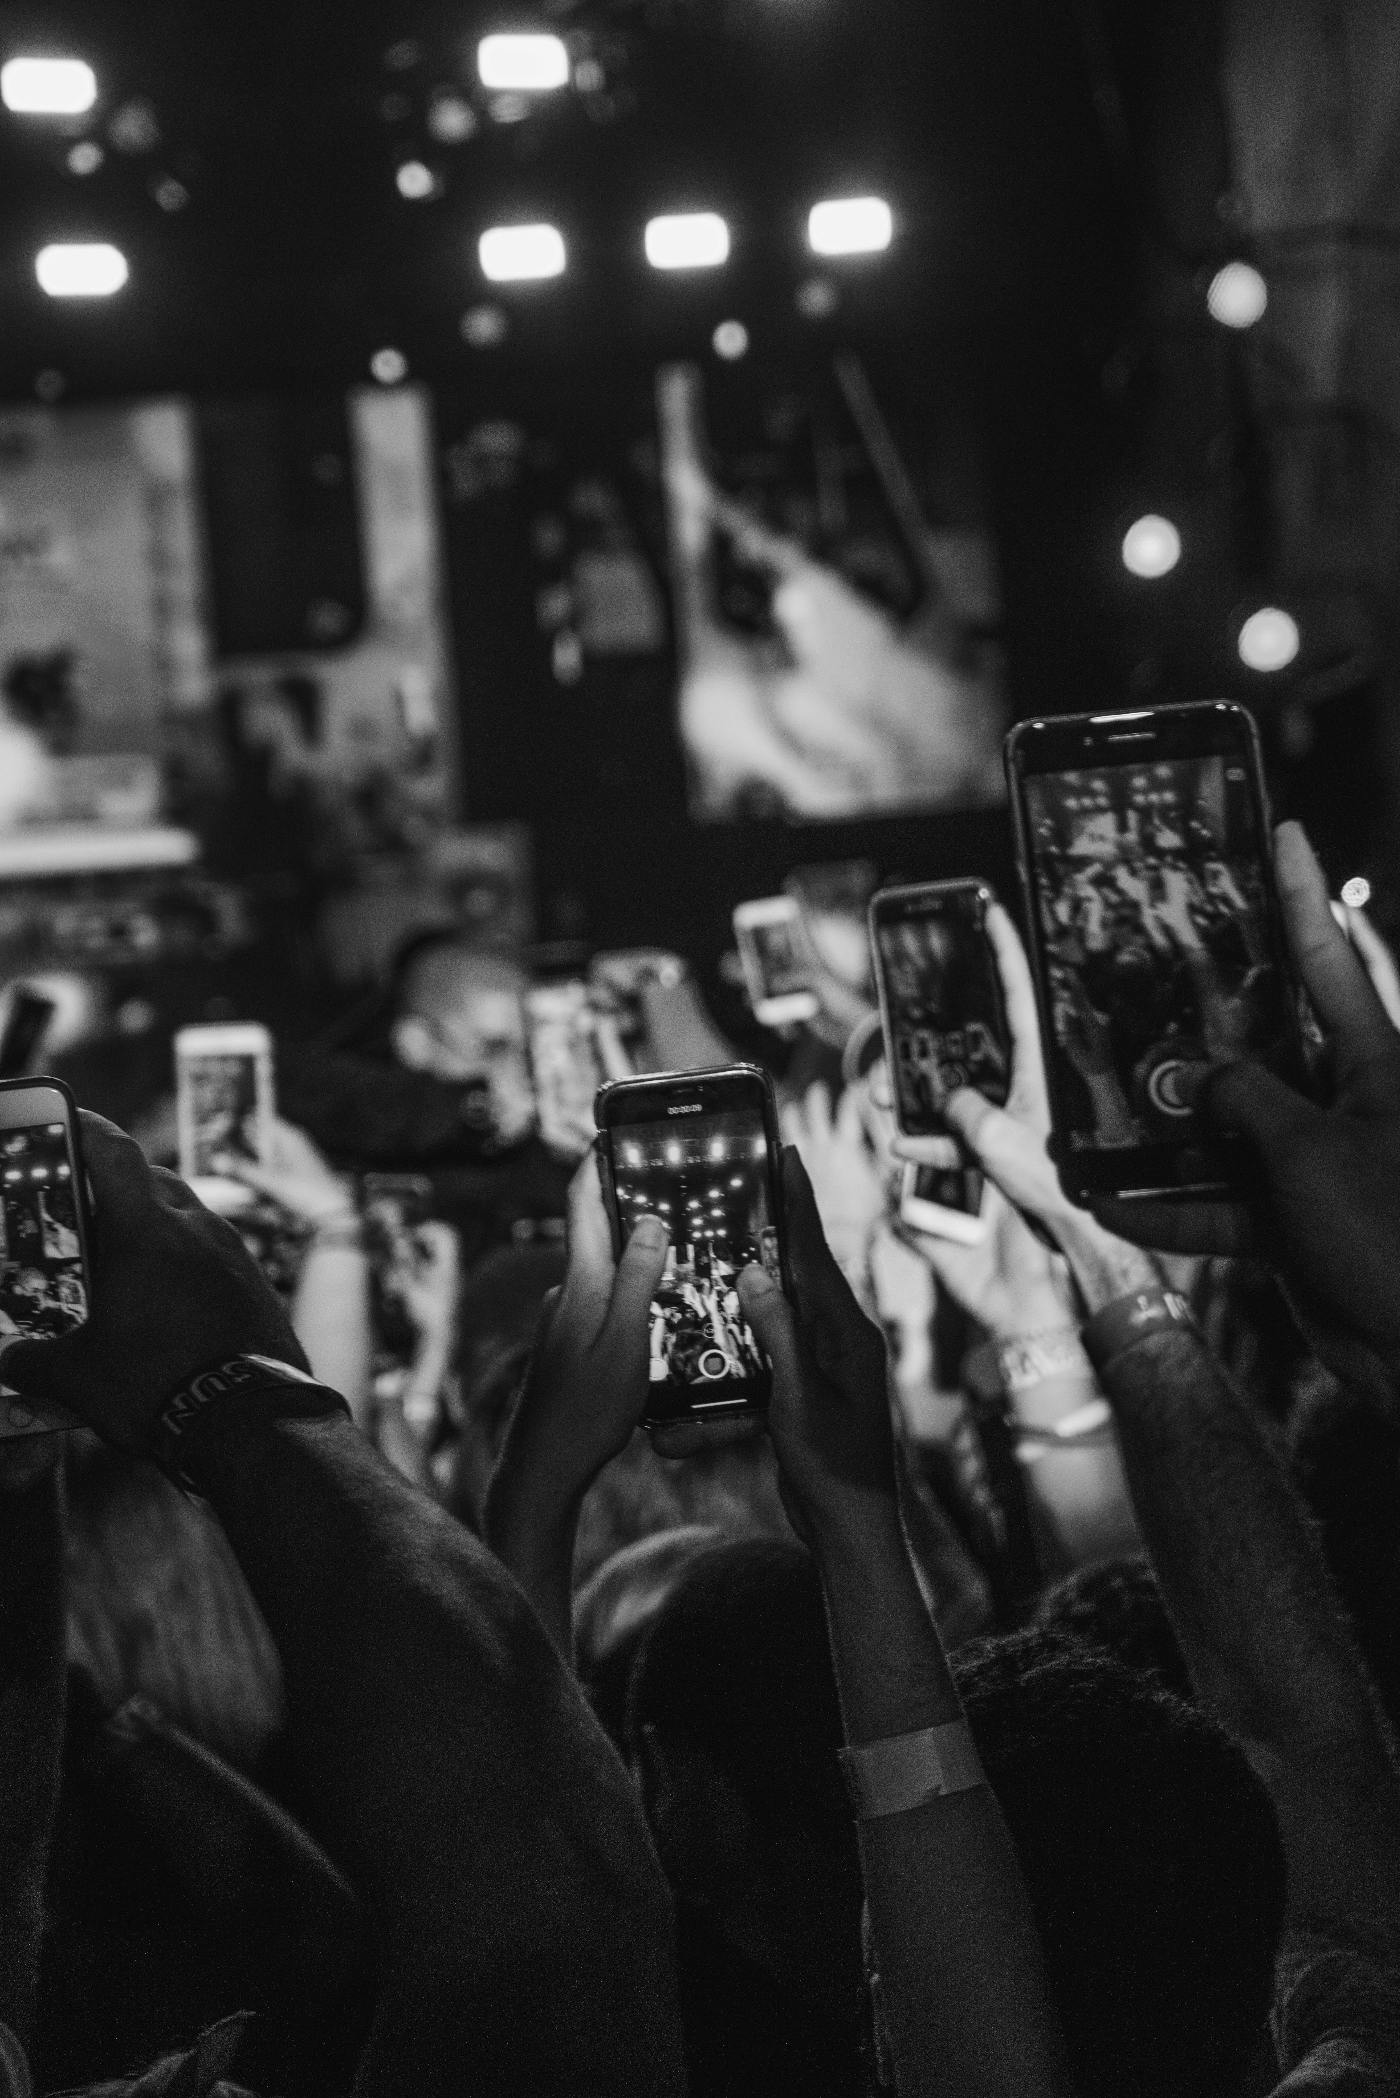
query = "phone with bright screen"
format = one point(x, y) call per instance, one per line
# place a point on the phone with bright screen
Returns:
point(777, 961)
point(701, 1150)
point(224, 1107)
point(1156, 938)
point(45, 1279)
point(565, 1064)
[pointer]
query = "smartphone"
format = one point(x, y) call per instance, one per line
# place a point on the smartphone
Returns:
point(27, 1024)
point(941, 1006)
point(944, 1198)
point(564, 1063)
point(1156, 939)
point(700, 1149)
point(224, 1106)
point(45, 1275)
point(776, 960)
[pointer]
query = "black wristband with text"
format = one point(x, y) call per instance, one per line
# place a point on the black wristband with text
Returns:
point(252, 1386)
point(1128, 1320)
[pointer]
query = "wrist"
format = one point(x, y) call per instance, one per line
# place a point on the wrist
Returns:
point(1104, 1267)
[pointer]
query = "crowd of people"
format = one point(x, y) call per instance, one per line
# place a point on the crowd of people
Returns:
point(1012, 1713)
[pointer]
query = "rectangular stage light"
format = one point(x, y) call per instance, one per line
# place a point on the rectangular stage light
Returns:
point(81, 270)
point(692, 240)
point(48, 87)
point(515, 254)
point(525, 65)
point(850, 226)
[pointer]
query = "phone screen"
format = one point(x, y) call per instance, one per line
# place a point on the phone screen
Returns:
point(224, 1098)
point(943, 1004)
point(564, 1064)
point(708, 1178)
point(779, 961)
point(42, 1289)
point(1160, 951)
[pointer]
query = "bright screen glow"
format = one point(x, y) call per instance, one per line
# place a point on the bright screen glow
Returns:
point(48, 87)
point(850, 226)
point(512, 254)
point(522, 64)
point(692, 240)
point(90, 270)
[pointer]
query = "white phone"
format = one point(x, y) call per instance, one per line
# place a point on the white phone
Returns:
point(928, 1195)
point(565, 1063)
point(224, 1107)
point(776, 959)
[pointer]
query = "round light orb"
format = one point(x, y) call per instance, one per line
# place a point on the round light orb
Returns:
point(484, 327)
point(1237, 295)
point(389, 366)
point(730, 340)
point(1356, 893)
point(1269, 639)
point(414, 179)
point(816, 299)
point(85, 158)
point(1151, 547)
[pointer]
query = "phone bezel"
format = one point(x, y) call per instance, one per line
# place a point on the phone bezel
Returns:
point(1198, 1165)
point(12, 1092)
point(964, 1227)
point(722, 1089)
point(908, 897)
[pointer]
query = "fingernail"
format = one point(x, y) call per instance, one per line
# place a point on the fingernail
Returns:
point(650, 1231)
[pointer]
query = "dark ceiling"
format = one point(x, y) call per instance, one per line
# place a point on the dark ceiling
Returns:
point(284, 253)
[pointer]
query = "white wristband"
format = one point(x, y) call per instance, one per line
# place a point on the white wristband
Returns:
point(906, 1771)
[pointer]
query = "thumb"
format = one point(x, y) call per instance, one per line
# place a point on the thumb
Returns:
point(638, 1273)
point(770, 1314)
point(1247, 1100)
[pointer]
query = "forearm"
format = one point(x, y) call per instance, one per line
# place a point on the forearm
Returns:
point(962, 1989)
point(532, 1533)
point(31, 1728)
point(331, 1319)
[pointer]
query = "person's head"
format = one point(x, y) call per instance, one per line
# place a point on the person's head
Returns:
point(1346, 1459)
point(733, 1726)
point(1116, 1608)
point(1152, 1860)
point(458, 1008)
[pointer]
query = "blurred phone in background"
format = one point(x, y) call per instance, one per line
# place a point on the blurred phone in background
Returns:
point(26, 1027)
point(566, 1063)
point(224, 1107)
point(45, 1277)
point(834, 898)
point(777, 960)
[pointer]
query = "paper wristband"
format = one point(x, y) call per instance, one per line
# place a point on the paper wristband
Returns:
point(906, 1771)
point(1122, 1324)
point(255, 1385)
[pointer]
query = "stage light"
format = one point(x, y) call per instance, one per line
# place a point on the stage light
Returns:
point(1268, 639)
point(530, 65)
point(81, 270)
point(85, 158)
point(1151, 547)
point(850, 226)
point(48, 87)
point(688, 240)
point(451, 119)
point(717, 1147)
point(1356, 893)
point(1237, 295)
point(389, 366)
point(816, 299)
point(415, 179)
point(518, 254)
point(730, 340)
point(673, 1154)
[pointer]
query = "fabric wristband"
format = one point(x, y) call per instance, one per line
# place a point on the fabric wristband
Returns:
point(1128, 1320)
point(1038, 1357)
point(906, 1771)
point(256, 1386)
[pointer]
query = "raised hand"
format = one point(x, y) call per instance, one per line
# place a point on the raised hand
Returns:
point(295, 1176)
point(173, 1292)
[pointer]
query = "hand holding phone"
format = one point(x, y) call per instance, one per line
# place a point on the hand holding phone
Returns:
point(777, 961)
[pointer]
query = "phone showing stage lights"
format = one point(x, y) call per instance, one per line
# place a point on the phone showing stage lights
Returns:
point(701, 1150)
point(45, 1277)
point(1156, 939)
